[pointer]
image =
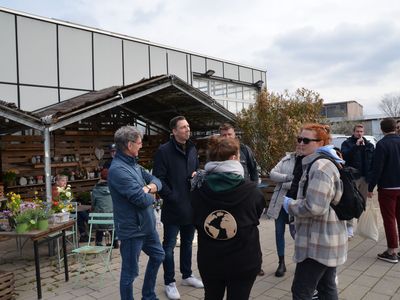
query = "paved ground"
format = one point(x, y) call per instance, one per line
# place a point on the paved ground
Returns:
point(362, 277)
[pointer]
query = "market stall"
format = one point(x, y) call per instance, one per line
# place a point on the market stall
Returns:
point(72, 136)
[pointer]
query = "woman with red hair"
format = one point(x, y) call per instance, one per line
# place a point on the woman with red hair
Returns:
point(321, 238)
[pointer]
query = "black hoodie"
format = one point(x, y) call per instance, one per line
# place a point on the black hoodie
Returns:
point(226, 248)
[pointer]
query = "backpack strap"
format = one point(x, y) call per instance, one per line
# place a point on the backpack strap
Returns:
point(309, 167)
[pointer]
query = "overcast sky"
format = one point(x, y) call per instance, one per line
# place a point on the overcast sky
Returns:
point(344, 50)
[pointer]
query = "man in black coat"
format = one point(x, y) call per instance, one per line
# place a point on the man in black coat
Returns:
point(358, 153)
point(175, 163)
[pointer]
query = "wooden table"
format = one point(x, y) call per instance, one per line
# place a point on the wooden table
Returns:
point(41, 236)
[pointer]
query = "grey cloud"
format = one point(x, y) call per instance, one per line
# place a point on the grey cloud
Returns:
point(142, 17)
point(348, 54)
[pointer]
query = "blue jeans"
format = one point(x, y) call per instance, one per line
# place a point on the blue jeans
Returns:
point(311, 275)
point(280, 225)
point(170, 234)
point(130, 250)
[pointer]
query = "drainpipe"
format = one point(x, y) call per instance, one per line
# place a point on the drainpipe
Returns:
point(47, 121)
point(47, 163)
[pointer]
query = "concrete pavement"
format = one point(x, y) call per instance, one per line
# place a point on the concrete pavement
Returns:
point(361, 277)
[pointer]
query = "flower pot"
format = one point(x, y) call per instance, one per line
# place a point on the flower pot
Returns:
point(42, 224)
point(22, 228)
point(61, 217)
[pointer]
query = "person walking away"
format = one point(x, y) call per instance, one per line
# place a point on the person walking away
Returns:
point(247, 159)
point(226, 212)
point(102, 203)
point(321, 238)
point(385, 174)
point(358, 152)
point(132, 189)
point(175, 163)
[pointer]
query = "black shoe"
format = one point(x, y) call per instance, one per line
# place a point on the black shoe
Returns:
point(392, 258)
point(115, 245)
point(281, 269)
point(83, 239)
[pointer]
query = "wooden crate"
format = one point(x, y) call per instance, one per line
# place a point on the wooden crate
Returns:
point(7, 285)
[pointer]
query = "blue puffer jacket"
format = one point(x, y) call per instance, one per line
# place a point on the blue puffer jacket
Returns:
point(174, 167)
point(133, 208)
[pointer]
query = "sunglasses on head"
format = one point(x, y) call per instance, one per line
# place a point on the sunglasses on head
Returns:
point(306, 140)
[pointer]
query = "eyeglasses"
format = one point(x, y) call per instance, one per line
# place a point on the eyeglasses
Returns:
point(305, 140)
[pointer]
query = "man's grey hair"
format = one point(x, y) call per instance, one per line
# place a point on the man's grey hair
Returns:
point(125, 134)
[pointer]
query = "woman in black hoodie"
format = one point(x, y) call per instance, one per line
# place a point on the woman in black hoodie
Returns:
point(226, 212)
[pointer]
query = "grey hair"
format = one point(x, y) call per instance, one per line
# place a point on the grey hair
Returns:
point(125, 134)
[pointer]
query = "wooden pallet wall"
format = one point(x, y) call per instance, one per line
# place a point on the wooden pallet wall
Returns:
point(17, 152)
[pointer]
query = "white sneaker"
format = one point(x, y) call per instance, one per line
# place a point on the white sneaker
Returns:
point(172, 292)
point(350, 232)
point(193, 281)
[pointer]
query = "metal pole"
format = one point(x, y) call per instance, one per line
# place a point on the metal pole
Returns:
point(47, 163)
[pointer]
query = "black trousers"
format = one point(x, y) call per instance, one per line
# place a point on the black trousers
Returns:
point(237, 289)
point(311, 275)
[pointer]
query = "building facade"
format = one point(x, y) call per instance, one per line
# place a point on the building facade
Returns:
point(346, 109)
point(45, 61)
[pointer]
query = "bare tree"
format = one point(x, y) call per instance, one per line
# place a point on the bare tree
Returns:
point(390, 105)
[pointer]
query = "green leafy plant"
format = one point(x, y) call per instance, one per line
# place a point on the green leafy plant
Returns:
point(26, 217)
point(10, 176)
point(271, 125)
point(41, 213)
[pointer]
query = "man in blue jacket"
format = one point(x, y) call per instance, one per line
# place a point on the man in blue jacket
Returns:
point(385, 174)
point(131, 190)
point(175, 164)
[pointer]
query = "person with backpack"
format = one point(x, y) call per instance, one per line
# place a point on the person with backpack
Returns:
point(321, 237)
point(358, 152)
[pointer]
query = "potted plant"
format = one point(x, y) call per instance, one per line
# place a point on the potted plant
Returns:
point(42, 218)
point(10, 177)
point(13, 205)
point(24, 221)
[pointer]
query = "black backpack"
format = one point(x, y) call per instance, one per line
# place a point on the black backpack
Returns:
point(352, 203)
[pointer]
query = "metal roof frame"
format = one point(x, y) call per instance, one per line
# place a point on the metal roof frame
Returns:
point(166, 91)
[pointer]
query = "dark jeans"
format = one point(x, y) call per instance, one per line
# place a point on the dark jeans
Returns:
point(280, 226)
point(236, 289)
point(83, 218)
point(185, 257)
point(389, 203)
point(130, 250)
point(311, 275)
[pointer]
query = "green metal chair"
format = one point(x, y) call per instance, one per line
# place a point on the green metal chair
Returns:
point(90, 250)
